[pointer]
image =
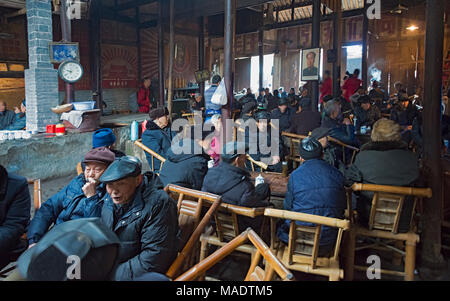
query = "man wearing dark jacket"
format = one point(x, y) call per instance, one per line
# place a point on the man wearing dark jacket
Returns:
point(262, 146)
point(344, 132)
point(385, 160)
point(315, 188)
point(80, 199)
point(232, 181)
point(158, 136)
point(14, 215)
point(283, 114)
point(7, 117)
point(187, 162)
point(144, 218)
point(305, 120)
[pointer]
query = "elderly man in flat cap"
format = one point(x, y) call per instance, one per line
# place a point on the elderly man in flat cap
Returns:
point(158, 135)
point(144, 218)
point(79, 199)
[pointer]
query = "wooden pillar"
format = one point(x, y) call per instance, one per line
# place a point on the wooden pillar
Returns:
point(434, 38)
point(337, 45)
point(365, 53)
point(66, 33)
point(161, 55)
point(171, 58)
point(229, 36)
point(261, 56)
point(201, 52)
point(95, 47)
point(138, 41)
point(315, 43)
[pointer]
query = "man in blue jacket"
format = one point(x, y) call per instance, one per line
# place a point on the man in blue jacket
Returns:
point(14, 215)
point(20, 122)
point(80, 199)
point(315, 188)
point(158, 136)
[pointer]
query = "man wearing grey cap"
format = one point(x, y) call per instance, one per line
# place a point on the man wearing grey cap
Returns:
point(232, 181)
point(79, 199)
point(143, 216)
point(305, 120)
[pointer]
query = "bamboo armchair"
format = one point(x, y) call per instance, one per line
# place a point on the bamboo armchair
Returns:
point(255, 272)
point(302, 252)
point(191, 118)
point(344, 146)
point(382, 231)
point(37, 202)
point(294, 142)
point(189, 211)
point(152, 153)
point(254, 163)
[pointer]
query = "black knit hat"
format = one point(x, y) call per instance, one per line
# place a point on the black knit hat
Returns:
point(262, 115)
point(310, 149)
point(248, 107)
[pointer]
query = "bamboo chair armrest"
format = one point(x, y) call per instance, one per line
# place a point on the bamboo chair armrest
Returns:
point(151, 152)
point(334, 140)
point(258, 163)
point(295, 136)
point(419, 192)
point(309, 218)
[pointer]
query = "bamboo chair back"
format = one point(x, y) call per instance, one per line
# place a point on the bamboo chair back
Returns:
point(255, 273)
point(226, 218)
point(189, 204)
point(344, 146)
point(294, 144)
point(387, 204)
point(152, 153)
point(304, 241)
point(37, 193)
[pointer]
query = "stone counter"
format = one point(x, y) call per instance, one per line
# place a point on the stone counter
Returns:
point(48, 158)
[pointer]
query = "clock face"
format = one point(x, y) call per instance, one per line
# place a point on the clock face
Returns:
point(71, 71)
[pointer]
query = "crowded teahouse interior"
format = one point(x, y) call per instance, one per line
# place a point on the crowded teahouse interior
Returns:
point(174, 140)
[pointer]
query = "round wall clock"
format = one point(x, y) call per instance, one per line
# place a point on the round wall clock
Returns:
point(70, 71)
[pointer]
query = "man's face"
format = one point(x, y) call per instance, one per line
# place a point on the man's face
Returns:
point(336, 112)
point(326, 76)
point(304, 93)
point(2, 106)
point(405, 104)
point(292, 91)
point(249, 91)
point(23, 109)
point(310, 60)
point(198, 98)
point(123, 190)
point(163, 121)
point(94, 170)
point(147, 83)
point(324, 141)
point(283, 108)
point(365, 106)
point(267, 91)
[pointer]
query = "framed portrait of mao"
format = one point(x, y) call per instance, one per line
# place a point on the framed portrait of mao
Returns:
point(311, 60)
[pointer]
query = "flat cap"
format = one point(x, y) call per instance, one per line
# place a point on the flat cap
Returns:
point(283, 101)
point(248, 107)
point(262, 115)
point(100, 155)
point(122, 168)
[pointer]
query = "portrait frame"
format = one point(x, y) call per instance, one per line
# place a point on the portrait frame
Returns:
point(313, 73)
point(63, 51)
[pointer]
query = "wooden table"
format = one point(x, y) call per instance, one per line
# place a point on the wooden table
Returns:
point(277, 182)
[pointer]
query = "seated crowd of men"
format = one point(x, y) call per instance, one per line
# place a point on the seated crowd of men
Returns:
point(136, 207)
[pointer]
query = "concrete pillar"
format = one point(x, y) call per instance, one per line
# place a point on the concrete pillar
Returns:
point(41, 79)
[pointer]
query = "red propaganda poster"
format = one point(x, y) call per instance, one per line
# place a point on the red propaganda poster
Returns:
point(119, 67)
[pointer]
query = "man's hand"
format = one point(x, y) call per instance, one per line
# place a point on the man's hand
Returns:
point(275, 160)
point(90, 188)
point(347, 121)
point(32, 245)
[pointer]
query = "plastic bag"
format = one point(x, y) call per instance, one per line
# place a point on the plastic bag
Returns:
point(220, 95)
